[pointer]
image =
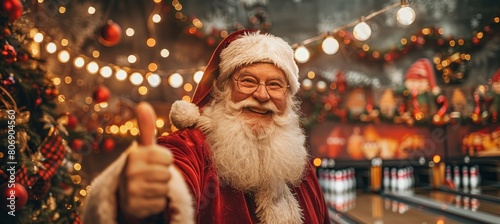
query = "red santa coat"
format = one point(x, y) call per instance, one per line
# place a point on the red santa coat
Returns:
point(218, 203)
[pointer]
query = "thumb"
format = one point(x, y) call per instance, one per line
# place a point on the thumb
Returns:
point(146, 119)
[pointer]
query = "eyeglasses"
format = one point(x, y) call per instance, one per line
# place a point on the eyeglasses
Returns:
point(249, 84)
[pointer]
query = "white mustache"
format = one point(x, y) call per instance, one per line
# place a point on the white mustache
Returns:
point(252, 103)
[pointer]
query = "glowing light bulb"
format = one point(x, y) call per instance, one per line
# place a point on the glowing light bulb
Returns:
point(154, 80)
point(121, 75)
point(92, 67)
point(136, 78)
point(330, 45)
point(306, 84)
point(302, 54)
point(197, 76)
point(405, 15)
point(362, 31)
point(175, 80)
point(51, 47)
point(106, 71)
point(63, 56)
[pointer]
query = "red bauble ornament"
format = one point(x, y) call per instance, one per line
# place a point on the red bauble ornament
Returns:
point(77, 144)
point(9, 53)
point(108, 144)
point(110, 34)
point(72, 122)
point(13, 195)
point(38, 102)
point(101, 94)
point(12, 8)
point(22, 57)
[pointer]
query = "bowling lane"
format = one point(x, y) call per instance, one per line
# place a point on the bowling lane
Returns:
point(373, 208)
point(469, 203)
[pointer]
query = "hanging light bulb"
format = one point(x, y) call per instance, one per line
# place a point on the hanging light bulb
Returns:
point(175, 80)
point(302, 54)
point(330, 45)
point(405, 15)
point(362, 31)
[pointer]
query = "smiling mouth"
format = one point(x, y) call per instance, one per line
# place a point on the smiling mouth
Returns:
point(258, 110)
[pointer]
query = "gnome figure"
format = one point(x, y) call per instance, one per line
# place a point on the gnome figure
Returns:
point(421, 91)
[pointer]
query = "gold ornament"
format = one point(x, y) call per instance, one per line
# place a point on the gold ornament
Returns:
point(51, 203)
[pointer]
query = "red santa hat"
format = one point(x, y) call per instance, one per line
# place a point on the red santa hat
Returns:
point(243, 47)
point(422, 69)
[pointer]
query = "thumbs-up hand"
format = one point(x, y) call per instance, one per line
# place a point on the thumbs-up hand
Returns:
point(143, 187)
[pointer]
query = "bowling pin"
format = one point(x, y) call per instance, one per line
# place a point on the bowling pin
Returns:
point(474, 179)
point(394, 179)
point(387, 180)
point(401, 180)
point(465, 177)
point(338, 182)
point(448, 173)
point(456, 177)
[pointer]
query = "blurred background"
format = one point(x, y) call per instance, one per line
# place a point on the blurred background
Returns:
point(353, 55)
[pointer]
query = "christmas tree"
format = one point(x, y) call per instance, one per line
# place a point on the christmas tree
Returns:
point(38, 179)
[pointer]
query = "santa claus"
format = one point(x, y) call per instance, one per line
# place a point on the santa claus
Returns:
point(239, 156)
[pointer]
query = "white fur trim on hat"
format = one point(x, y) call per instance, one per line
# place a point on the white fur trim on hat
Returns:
point(184, 114)
point(255, 47)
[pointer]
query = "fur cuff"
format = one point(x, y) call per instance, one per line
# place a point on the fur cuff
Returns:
point(184, 114)
point(181, 202)
point(101, 204)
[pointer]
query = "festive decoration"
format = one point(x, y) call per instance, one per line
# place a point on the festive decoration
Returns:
point(14, 195)
point(494, 96)
point(108, 144)
point(101, 94)
point(13, 9)
point(110, 34)
point(34, 152)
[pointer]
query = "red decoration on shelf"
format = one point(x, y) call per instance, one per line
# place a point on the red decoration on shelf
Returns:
point(441, 117)
point(12, 8)
point(101, 94)
point(13, 195)
point(108, 144)
point(110, 34)
point(77, 144)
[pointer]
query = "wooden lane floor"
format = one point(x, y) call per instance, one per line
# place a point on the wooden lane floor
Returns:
point(373, 208)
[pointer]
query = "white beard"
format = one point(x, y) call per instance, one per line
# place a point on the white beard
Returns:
point(263, 158)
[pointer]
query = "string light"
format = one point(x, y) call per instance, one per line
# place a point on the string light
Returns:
point(51, 47)
point(106, 71)
point(154, 80)
point(92, 67)
point(175, 80)
point(302, 54)
point(63, 56)
point(330, 45)
point(362, 30)
point(156, 18)
point(405, 15)
point(121, 75)
point(129, 32)
point(79, 62)
point(136, 78)
point(197, 76)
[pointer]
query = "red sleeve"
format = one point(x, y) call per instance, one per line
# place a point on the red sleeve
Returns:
point(189, 156)
point(311, 199)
